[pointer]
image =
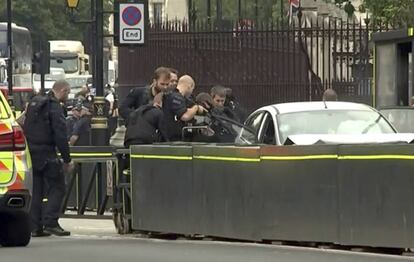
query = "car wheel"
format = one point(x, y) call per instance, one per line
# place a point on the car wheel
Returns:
point(15, 230)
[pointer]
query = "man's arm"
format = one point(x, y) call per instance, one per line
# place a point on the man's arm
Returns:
point(81, 126)
point(180, 110)
point(190, 113)
point(58, 125)
point(128, 105)
point(73, 139)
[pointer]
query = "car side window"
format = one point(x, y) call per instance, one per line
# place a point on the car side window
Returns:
point(253, 123)
point(268, 134)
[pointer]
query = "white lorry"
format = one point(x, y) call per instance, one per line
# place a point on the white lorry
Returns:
point(70, 56)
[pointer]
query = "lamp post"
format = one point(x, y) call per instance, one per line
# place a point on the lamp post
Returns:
point(239, 11)
point(99, 120)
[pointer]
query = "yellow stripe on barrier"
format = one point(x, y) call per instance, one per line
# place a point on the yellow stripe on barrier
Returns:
point(225, 158)
point(276, 158)
point(290, 158)
point(90, 154)
point(376, 157)
point(167, 157)
point(411, 31)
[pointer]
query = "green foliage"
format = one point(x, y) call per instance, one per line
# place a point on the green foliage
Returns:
point(396, 12)
point(50, 19)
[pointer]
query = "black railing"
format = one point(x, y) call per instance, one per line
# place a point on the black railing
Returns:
point(265, 63)
point(90, 187)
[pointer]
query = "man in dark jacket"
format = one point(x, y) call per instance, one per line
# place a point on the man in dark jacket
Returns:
point(144, 124)
point(45, 130)
point(178, 112)
point(80, 133)
point(218, 94)
point(222, 129)
point(234, 106)
point(144, 95)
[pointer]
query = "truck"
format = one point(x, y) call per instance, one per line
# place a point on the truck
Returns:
point(70, 56)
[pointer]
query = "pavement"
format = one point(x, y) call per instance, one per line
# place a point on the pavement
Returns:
point(96, 240)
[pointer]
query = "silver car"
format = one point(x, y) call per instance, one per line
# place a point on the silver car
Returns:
point(309, 122)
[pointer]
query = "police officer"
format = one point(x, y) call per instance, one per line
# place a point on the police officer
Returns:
point(73, 116)
point(80, 132)
point(218, 95)
point(144, 95)
point(234, 106)
point(223, 132)
point(144, 124)
point(173, 78)
point(45, 130)
point(176, 112)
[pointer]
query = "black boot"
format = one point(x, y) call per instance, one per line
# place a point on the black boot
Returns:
point(40, 233)
point(57, 231)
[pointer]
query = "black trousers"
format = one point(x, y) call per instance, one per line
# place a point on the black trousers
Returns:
point(48, 183)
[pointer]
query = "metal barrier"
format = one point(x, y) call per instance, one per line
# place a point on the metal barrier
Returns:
point(90, 187)
point(122, 193)
point(357, 195)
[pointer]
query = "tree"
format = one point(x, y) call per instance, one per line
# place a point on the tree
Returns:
point(50, 19)
point(263, 11)
point(396, 12)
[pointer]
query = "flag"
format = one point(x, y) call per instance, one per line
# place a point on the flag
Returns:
point(294, 6)
point(294, 3)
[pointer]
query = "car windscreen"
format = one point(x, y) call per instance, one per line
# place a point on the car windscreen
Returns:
point(401, 119)
point(340, 122)
point(69, 64)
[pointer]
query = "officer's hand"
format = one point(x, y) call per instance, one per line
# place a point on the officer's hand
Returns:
point(68, 167)
point(201, 110)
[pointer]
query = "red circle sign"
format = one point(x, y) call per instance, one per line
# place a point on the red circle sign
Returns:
point(131, 16)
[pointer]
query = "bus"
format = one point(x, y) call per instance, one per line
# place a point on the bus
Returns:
point(22, 64)
point(70, 56)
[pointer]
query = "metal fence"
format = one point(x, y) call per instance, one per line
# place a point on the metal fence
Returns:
point(263, 64)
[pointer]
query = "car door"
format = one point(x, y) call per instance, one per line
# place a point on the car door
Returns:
point(253, 123)
point(267, 134)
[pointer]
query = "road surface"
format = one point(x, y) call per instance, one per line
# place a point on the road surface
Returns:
point(96, 240)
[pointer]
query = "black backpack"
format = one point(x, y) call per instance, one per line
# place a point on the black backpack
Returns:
point(139, 129)
point(37, 124)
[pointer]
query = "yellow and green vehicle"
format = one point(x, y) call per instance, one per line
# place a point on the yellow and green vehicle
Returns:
point(15, 180)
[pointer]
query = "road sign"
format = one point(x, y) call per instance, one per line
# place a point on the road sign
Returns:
point(131, 22)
